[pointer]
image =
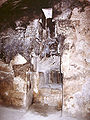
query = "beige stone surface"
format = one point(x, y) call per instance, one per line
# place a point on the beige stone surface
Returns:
point(49, 96)
point(20, 70)
point(75, 65)
point(13, 89)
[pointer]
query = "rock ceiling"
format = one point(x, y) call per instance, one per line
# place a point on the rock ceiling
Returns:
point(13, 10)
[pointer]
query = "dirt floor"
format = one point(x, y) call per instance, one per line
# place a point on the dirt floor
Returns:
point(36, 112)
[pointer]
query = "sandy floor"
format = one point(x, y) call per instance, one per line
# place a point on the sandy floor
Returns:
point(34, 113)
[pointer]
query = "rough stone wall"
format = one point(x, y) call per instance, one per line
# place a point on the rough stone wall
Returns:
point(6, 79)
point(21, 40)
point(76, 63)
point(9, 92)
point(13, 85)
point(27, 43)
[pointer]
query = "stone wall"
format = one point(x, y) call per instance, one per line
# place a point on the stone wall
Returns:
point(76, 63)
point(13, 85)
point(39, 50)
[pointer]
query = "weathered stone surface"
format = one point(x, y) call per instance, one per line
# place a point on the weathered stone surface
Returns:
point(20, 70)
point(16, 94)
point(13, 89)
point(19, 84)
point(5, 68)
point(49, 96)
point(29, 99)
point(16, 102)
point(75, 65)
point(6, 85)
